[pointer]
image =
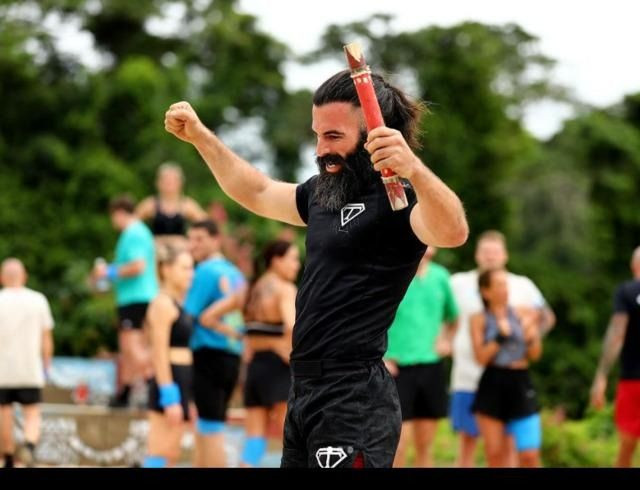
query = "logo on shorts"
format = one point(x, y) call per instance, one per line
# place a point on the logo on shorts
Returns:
point(350, 211)
point(330, 457)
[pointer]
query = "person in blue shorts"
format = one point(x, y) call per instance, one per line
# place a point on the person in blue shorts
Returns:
point(504, 341)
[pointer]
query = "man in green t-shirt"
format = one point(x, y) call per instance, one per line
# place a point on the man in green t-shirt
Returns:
point(417, 343)
point(133, 274)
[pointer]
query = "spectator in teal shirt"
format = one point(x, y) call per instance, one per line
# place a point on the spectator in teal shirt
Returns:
point(133, 275)
point(417, 343)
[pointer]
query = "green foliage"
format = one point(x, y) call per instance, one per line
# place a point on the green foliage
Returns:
point(588, 443)
point(71, 138)
point(89, 324)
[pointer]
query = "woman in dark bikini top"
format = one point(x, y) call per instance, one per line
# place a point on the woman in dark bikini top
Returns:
point(169, 212)
point(269, 318)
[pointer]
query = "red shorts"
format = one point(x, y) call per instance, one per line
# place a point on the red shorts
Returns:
point(628, 407)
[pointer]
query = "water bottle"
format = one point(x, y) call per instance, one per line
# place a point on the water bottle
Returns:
point(102, 285)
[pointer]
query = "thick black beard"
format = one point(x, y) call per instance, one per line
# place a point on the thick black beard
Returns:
point(334, 191)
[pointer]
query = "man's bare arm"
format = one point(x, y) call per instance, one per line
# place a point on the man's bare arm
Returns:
point(547, 320)
point(238, 179)
point(612, 345)
point(47, 348)
point(210, 317)
point(438, 218)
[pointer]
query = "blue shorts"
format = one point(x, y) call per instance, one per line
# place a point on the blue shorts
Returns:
point(462, 417)
point(526, 432)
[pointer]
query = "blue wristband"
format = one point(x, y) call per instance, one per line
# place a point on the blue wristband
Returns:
point(169, 395)
point(112, 272)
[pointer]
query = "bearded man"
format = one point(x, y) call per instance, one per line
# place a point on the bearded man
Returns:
point(343, 408)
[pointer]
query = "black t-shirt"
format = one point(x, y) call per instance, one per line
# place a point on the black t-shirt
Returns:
point(627, 300)
point(360, 261)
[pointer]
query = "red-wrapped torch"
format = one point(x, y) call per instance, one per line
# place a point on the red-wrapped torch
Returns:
point(361, 75)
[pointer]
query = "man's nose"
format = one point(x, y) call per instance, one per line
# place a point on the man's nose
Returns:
point(322, 149)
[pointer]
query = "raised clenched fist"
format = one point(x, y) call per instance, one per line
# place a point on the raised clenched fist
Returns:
point(183, 122)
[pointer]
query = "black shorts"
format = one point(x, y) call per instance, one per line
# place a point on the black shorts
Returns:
point(215, 374)
point(182, 376)
point(341, 415)
point(505, 394)
point(268, 380)
point(23, 396)
point(422, 389)
point(131, 317)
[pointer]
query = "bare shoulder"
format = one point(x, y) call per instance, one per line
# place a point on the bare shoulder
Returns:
point(287, 288)
point(524, 311)
point(162, 307)
point(278, 201)
point(193, 208)
point(477, 319)
point(191, 201)
point(144, 209)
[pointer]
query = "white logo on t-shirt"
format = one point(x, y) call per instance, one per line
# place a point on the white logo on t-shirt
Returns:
point(350, 211)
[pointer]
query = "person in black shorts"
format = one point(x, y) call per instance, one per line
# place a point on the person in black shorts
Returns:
point(343, 408)
point(218, 290)
point(169, 329)
point(26, 349)
point(419, 338)
point(269, 316)
point(133, 275)
point(504, 340)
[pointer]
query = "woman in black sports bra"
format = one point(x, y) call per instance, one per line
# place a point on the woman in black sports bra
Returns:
point(169, 212)
point(269, 318)
point(169, 330)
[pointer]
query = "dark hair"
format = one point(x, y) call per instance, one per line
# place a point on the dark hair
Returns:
point(276, 248)
point(208, 225)
point(124, 203)
point(484, 282)
point(398, 111)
